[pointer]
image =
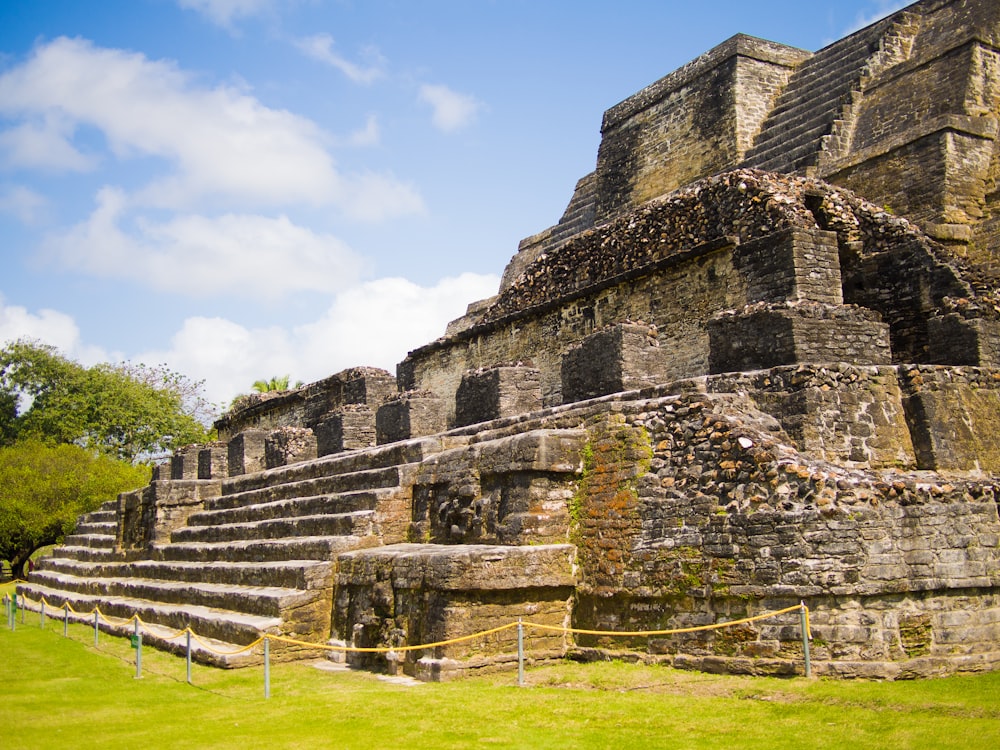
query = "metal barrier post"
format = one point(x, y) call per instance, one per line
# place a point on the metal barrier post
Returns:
point(22, 608)
point(96, 615)
point(267, 667)
point(41, 615)
point(520, 653)
point(189, 655)
point(805, 639)
point(65, 619)
point(137, 645)
point(13, 618)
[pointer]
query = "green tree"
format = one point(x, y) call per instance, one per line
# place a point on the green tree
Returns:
point(126, 411)
point(45, 487)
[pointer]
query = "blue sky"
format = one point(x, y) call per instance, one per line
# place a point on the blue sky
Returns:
point(247, 188)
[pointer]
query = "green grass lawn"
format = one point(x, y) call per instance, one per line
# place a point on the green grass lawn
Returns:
point(64, 693)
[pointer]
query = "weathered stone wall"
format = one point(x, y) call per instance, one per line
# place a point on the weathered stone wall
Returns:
point(306, 406)
point(953, 414)
point(511, 491)
point(686, 515)
point(842, 414)
point(712, 249)
point(412, 593)
point(148, 516)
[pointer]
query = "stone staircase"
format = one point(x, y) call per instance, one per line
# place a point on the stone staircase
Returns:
point(792, 137)
point(259, 558)
point(579, 214)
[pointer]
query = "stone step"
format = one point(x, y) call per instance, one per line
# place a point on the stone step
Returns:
point(348, 462)
point(823, 111)
point(292, 574)
point(85, 553)
point(346, 502)
point(93, 541)
point(796, 157)
point(358, 523)
point(812, 81)
point(781, 150)
point(808, 102)
point(100, 516)
point(222, 625)
point(204, 649)
point(780, 143)
point(103, 528)
point(261, 550)
point(309, 487)
point(265, 601)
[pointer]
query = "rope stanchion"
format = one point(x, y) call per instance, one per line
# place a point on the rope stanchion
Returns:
point(137, 645)
point(804, 623)
point(267, 667)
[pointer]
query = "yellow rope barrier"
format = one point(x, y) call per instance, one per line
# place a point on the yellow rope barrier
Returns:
point(460, 639)
point(387, 649)
point(674, 631)
point(208, 647)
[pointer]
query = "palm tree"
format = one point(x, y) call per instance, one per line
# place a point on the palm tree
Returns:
point(276, 383)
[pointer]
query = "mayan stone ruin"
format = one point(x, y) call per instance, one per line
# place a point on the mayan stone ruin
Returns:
point(756, 362)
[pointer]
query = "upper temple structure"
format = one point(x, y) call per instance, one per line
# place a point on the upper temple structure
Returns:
point(755, 363)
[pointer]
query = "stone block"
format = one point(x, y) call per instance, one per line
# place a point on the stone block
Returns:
point(420, 593)
point(246, 452)
point(410, 414)
point(494, 392)
point(622, 357)
point(793, 265)
point(289, 445)
point(149, 515)
point(213, 461)
point(184, 463)
point(953, 413)
point(349, 429)
point(368, 386)
point(762, 336)
point(955, 340)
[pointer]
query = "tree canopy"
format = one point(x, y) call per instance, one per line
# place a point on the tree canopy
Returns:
point(72, 437)
point(126, 411)
point(45, 487)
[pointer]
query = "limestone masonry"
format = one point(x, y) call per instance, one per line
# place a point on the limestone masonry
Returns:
point(756, 362)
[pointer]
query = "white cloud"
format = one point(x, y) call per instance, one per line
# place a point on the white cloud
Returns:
point(245, 254)
point(373, 324)
point(22, 203)
point(50, 327)
point(452, 110)
point(224, 12)
point(320, 47)
point(369, 135)
point(224, 145)
point(44, 144)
